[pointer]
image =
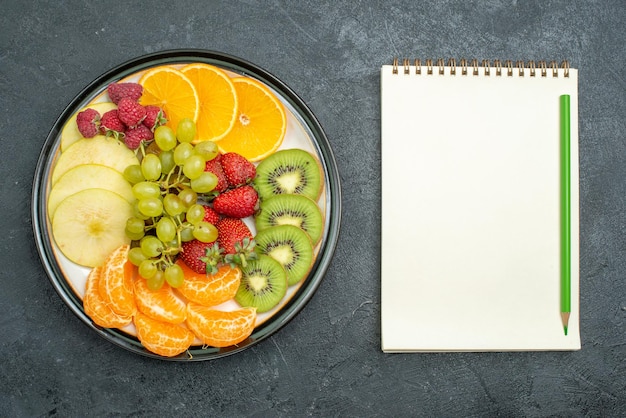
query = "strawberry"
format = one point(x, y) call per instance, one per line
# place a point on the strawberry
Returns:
point(155, 117)
point(235, 238)
point(237, 203)
point(231, 231)
point(237, 169)
point(119, 91)
point(200, 256)
point(111, 125)
point(88, 122)
point(133, 137)
point(210, 215)
point(130, 112)
point(214, 166)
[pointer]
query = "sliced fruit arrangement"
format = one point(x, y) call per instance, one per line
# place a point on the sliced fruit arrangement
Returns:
point(97, 150)
point(88, 176)
point(261, 123)
point(88, 225)
point(171, 90)
point(291, 247)
point(220, 328)
point(264, 284)
point(289, 171)
point(217, 100)
point(175, 193)
point(291, 209)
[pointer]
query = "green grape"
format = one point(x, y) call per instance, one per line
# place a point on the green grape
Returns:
point(137, 213)
point(136, 256)
point(174, 275)
point(195, 214)
point(145, 189)
point(205, 183)
point(134, 236)
point(186, 234)
point(194, 166)
point(151, 167)
point(147, 268)
point(173, 205)
point(186, 130)
point(151, 246)
point(133, 174)
point(167, 161)
point(174, 246)
point(151, 206)
point(205, 232)
point(182, 152)
point(166, 229)
point(188, 197)
point(135, 225)
point(207, 149)
point(155, 282)
point(165, 138)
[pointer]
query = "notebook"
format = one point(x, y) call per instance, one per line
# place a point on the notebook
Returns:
point(471, 235)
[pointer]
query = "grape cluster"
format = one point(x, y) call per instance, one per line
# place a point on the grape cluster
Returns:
point(170, 185)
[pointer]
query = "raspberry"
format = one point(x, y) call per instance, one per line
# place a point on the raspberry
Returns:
point(133, 137)
point(155, 117)
point(119, 91)
point(88, 122)
point(130, 112)
point(111, 125)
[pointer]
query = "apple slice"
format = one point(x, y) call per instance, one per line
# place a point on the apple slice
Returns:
point(101, 150)
point(87, 226)
point(70, 132)
point(88, 176)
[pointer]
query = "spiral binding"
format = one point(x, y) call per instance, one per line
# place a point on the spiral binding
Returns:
point(466, 67)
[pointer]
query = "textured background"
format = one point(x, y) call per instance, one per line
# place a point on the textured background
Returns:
point(327, 361)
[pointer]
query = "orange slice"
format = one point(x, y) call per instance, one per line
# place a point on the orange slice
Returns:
point(217, 98)
point(162, 305)
point(261, 121)
point(170, 89)
point(210, 290)
point(220, 328)
point(95, 306)
point(116, 283)
point(161, 338)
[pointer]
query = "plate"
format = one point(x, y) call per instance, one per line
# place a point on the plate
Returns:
point(303, 131)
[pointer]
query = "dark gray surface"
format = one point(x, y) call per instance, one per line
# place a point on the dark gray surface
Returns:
point(327, 361)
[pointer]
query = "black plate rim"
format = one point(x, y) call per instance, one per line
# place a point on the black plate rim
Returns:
point(325, 153)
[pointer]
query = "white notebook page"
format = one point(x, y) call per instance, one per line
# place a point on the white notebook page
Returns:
point(470, 211)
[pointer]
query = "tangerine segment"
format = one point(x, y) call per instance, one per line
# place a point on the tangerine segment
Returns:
point(217, 99)
point(261, 122)
point(161, 338)
point(170, 89)
point(212, 289)
point(116, 283)
point(96, 308)
point(162, 305)
point(220, 328)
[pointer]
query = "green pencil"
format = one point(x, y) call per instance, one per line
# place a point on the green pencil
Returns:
point(566, 271)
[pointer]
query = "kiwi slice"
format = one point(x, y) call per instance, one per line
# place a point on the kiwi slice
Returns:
point(263, 284)
point(291, 209)
point(289, 171)
point(290, 246)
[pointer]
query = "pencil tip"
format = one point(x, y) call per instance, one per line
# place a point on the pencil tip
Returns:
point(565, 318)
